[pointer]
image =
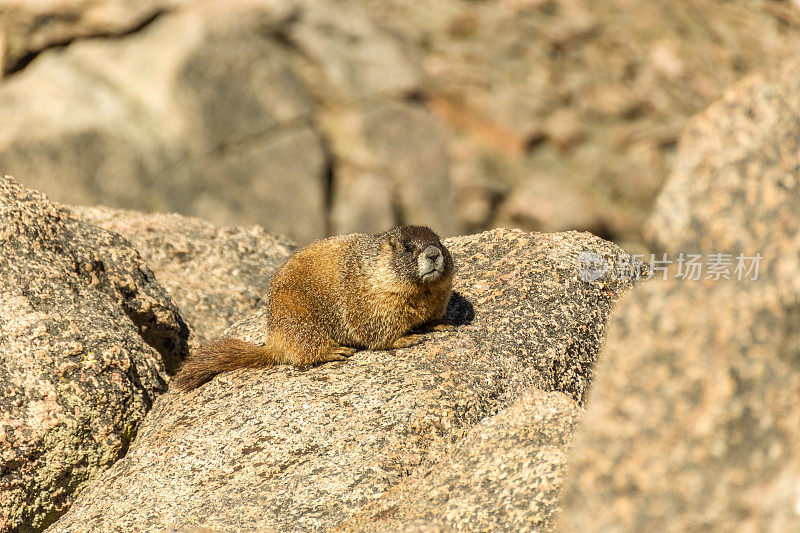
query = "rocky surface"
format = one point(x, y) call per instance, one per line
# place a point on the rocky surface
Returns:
point(580, 101)
point(317, 117)
point(86, 339)
point(27, 28)
point(227, 110)
point(352, 115)
point(736, 184)
point(214, 275)
point(306, 449)
point(504, 473)
point(693, 422)
point(693, 419)
point(112, 120)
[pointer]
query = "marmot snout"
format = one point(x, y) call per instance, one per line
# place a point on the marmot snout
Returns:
point(430, 263)
point(337, 295)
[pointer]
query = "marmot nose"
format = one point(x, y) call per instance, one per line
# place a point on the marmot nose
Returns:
point(432, 253)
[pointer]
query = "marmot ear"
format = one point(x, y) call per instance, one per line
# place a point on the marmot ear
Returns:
point(394, 242)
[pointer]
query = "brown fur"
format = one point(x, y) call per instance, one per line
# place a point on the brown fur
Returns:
point(336, 295)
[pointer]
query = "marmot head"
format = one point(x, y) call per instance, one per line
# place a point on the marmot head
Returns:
point(417, 254)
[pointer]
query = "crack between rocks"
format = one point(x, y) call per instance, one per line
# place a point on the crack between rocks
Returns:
point(283, 38)
point(15, 67)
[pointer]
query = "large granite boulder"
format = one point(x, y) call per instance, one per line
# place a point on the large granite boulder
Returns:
point(308, 449)
point(504, 473)
point(693, 422)
point(736, 184)
point(87, 337)
point(214, 275)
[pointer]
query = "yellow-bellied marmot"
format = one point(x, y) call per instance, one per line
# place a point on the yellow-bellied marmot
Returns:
point(336, 295)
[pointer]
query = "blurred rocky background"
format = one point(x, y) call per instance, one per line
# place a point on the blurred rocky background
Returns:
point(319, 117)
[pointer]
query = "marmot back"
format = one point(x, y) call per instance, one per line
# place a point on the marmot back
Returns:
point(337, 295)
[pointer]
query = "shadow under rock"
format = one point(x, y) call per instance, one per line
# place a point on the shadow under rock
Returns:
point(459, 310)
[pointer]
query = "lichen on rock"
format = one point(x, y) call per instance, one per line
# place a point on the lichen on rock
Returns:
point(87, 337)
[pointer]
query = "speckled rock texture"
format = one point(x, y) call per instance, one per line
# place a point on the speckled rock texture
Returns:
point(308, 449)
point(693, 422)
point(86, 339)
point(214, 275)
point(505, 473)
